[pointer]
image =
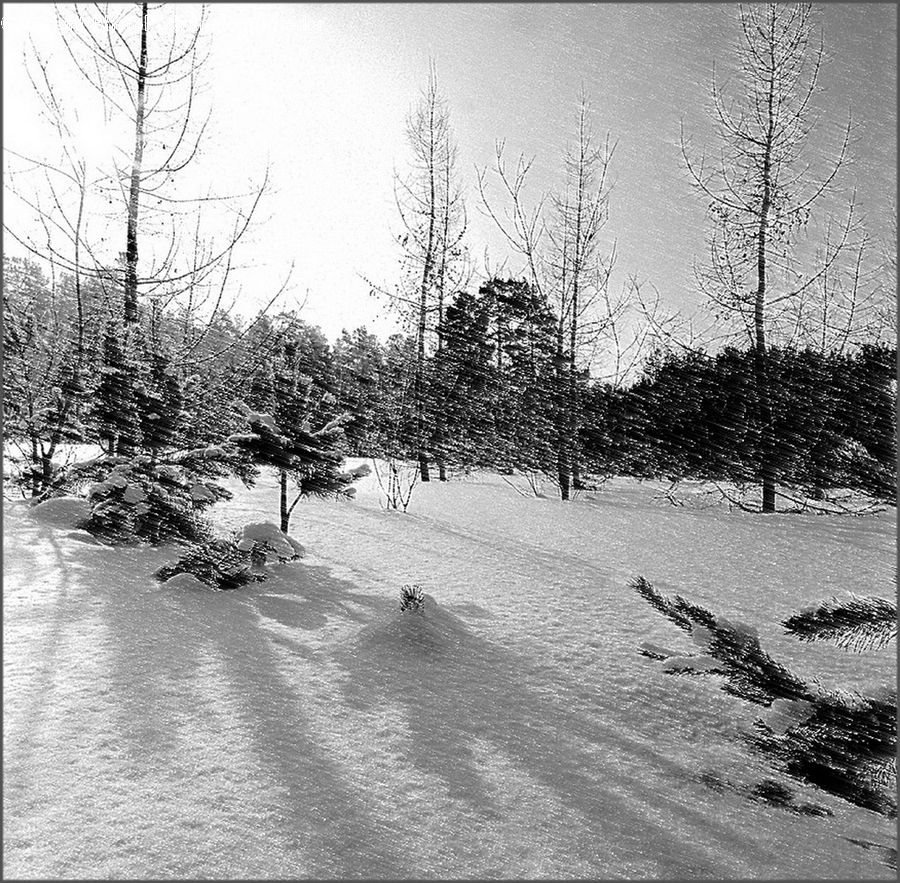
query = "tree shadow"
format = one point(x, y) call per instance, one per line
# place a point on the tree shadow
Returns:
point(19, 745)
point(458, 690)
point(324, 813)
point(307, 597)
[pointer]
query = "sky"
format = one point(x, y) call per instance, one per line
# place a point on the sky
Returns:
point(320, 92)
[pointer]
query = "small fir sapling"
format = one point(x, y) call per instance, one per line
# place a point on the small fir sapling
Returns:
point(310, 458)
point(412, 598)
point(218, 563)
point(234, 562)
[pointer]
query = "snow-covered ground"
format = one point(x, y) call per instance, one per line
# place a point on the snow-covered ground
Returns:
point(304, 727)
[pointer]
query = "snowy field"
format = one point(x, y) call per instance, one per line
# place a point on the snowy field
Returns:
point(303, 727)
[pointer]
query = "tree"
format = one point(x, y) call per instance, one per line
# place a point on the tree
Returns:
point(143, 64)
point(464, 382)
point(358, 360)
point(842, 742)
point(163, 338)
point(761, 191)
point(282, 437)
point(434, 221)
point(44, 379)
point(581, 275)
point(527, 398)
point(115, 408)
point(558, 238)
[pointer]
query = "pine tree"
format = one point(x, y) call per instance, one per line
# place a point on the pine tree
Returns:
point(283, 438)
point(159, 401)
point(464, 380)
point(525, 355)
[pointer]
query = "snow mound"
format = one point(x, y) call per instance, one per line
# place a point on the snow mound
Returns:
point(187, 581)
point(271, 536)
point(783, 714)
point(403, 637)
point(62, 512)
point(83, 536)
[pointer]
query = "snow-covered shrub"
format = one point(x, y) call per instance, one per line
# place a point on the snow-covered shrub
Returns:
point(219, 564)
point(236, 561)
point(265, 543)
point(841, 742)
point(352, 475)
point(412, 598)
point(139, 500)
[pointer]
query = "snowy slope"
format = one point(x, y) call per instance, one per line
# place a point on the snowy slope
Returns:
point(304, 727)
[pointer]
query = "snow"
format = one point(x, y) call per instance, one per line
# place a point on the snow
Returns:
point(62, 511)
point(783, 714)
point(271, 536)
point(186, 581)
point(200, 493)
point(305, 727)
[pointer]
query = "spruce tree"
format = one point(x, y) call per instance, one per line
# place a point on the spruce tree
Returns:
point(115, 409)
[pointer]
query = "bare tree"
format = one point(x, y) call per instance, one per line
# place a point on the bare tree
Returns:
point(433, 216)
point(848, 303)
point(559, 240)
point(128, 80)
point(761, 190)
point(144, 69)
point(580, 272)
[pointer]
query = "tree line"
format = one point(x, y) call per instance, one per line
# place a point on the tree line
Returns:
point(145, 355)
point(491, 394)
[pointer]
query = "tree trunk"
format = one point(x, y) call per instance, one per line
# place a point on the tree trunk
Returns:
point(767, 465)
point(562, 471)
point(418, 387)
point(35, 462)
point(283, 503)
point(131, 245)
point(46, 471)
point(562, 418)
point(440, 427)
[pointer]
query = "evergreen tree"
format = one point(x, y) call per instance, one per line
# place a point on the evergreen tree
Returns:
point(393, 433)
point(284, 438)
point(45, 378)
point(115, 409)
point(463, 381)
point(358, 363)
point(529, 397)
point(841, 742)
point(159, 401)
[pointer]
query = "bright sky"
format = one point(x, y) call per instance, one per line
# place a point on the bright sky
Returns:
point(322, 91)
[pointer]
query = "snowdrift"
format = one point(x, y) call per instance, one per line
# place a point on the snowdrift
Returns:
point(305, 727)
